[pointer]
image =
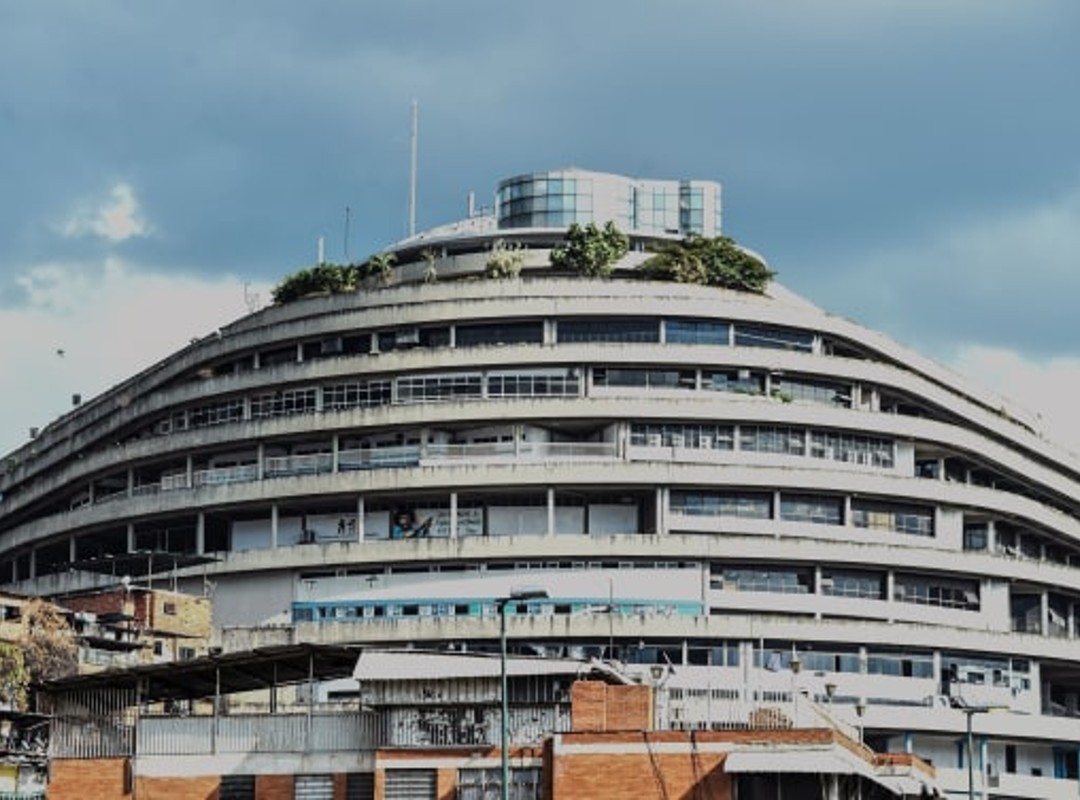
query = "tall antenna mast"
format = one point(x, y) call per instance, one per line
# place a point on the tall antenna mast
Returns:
point(346, 235)
point(412, 168)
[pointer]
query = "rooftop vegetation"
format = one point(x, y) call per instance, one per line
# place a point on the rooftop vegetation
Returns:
point(590, 251)
point(710, 262)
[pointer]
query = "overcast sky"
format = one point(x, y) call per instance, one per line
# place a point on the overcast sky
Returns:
point(911, 164)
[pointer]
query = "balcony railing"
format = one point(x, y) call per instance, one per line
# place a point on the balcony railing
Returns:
point(260, 733)
point(222, 475)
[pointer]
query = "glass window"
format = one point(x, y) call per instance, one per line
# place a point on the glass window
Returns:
point(648, 378)
point(812, 508)
point(495, 333)
point(853, 583)
point(975, 536)
point(614, 329)
point(783, 580)
point(853, 448)
point(695, 331)
point(541, 383)
point(766, 336)
point(830, 394)
point(937, 591)
point(741, 381)
point(772, 439)
point(438, 388)
point(750, 505)
point(700, 437)
point(915, 520)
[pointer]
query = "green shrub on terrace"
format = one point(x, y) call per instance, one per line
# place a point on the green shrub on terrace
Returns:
point(321, 279)
point(591, 251)
point(711, 262)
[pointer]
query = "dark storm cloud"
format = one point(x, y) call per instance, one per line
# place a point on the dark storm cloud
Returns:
point(850, 136)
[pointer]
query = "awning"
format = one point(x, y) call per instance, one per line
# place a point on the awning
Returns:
point(818, 761)
point(811, 761)
point(411, 665)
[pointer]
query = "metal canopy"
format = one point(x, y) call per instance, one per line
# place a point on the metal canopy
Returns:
point(140, 563)
point(220, 674)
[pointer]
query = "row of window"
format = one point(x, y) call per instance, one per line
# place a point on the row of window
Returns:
point(933, 591)
point(819, 509)
point(551, 382)
point(627, 330)
point(346, 610)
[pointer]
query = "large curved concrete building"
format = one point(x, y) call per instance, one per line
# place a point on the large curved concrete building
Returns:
point(714, 483)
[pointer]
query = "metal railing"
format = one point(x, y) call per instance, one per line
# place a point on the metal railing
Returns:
point(260, 733)
point(222, 475)
point(309, 464)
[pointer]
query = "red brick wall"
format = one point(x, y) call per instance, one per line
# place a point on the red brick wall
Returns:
point(273, 787)
point(88, 779)
point(596, 706)
point(446, 783)
point(634, 774)
point(207, 787)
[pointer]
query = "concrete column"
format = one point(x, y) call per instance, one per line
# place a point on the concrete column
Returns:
point(299, 352)
point(73, 550)
point(453, 515)
point(663, 331)
point(550, 511)
point(189, 468)
point(131, 537)
point(1044, 613)
point(255, 360)
point(991, 536)
point(1072, 620)
point(551, 332)
point(847, 510)
point(360, 518)
point(335, 448)
point(130, 482)
point(776, 506)
point(817, 589)
point(935, 665)
point(33, 564)
point(260, 461)
point(90, 492)
point(200, 533)
point(274, 526)
point(890, 588)
point(425, 433)
point(661, 511)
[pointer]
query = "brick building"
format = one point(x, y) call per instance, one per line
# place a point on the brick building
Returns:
point(577, 731)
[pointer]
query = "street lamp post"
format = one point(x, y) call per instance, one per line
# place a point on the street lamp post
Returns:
point(971, 711)
point(504, 736)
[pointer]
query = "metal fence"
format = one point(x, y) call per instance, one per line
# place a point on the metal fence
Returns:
point(260, 733)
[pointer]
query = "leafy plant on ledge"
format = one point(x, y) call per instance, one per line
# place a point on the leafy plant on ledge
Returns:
point(591, 251)
point(505, 260)
point(320, 279)
point(379, 266)
point(710, 262)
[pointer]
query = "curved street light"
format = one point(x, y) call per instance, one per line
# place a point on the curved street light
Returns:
point(504, 744)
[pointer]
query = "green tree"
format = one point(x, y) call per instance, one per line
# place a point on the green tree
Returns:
point(320, 279)
point(14, 676)
point(591, 251)
point(712, 262)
